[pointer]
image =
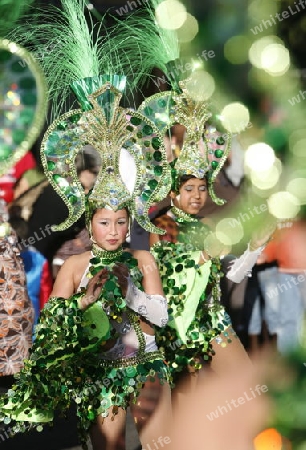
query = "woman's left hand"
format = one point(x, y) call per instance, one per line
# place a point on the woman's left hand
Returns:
point(122, 273)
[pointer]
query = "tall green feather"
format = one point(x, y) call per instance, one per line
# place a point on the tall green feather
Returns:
point(68, 47)
point(143, 45)
point(10, 11)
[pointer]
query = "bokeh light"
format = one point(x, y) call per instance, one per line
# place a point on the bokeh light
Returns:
point(235, 117)
point(283, 205)
point(265, 179)
point(236, 49)
point(229, 231)
point(170, 14)
point(201, 85)
point(189, 29)
point(258, 48)
point(214, 246)
point(297, 187)
point(275, 59)
point(259, 157)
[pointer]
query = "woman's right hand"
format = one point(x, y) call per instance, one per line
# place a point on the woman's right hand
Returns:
point(94, 287)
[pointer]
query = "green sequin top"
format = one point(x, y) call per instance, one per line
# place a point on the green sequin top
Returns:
point(196, 316)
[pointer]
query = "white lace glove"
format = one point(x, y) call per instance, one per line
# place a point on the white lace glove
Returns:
point(242, 266)
point(152, 307)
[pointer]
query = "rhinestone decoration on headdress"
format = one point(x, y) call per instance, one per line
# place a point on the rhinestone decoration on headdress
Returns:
point(108, 128)
point(205, 148)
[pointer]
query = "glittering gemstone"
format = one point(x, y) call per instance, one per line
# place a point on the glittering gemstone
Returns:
point(148, 111)
point(158, 170)
point(152, 184)
point(73, 199)
point(156, 143)
point(179, 268)
point(161, 103)
point(135, 120)
point(214, 164)
point(219, 153)
point(220, 140)
point(147, 129)
point(157, 156)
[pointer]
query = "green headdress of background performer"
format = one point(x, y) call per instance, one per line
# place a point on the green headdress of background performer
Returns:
point(144, 46)
point(23, 91)
point(122, 137)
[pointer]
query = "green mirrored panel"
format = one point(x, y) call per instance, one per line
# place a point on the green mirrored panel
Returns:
point(23, 103)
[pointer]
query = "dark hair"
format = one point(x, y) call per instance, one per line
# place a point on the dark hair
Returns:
point(182, 180)
point(88, 159)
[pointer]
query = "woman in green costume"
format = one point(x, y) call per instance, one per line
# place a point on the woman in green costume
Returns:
point(95, 343)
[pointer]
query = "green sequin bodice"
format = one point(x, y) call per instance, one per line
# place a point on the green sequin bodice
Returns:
point(196, 316)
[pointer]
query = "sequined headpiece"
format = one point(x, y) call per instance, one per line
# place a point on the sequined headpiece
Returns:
point(205, 147)
point(115, 133)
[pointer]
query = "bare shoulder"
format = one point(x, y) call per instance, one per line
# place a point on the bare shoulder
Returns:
point(70, 275)
point(144, 258)
point(76, 265)
point(142, 255)
point(77, 261)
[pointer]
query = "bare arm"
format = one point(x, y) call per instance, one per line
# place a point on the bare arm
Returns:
point(64, 283)
point(151, 279)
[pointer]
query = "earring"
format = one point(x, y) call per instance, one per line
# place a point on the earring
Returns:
point(92, 240)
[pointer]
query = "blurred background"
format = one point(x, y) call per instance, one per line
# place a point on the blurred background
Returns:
point(249, 60)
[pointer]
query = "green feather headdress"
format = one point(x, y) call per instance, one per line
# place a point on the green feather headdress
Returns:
point(77, 57)
point(69, 46)
point(145, 46)
point(11, 11)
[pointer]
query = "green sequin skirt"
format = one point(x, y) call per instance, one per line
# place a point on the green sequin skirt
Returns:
point(107, 386)
point(116, 384)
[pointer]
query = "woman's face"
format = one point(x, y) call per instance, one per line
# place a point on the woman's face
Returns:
point(192, 196)
point(109, 228)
